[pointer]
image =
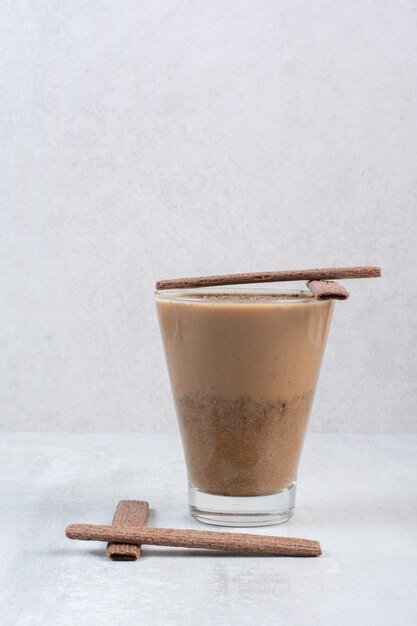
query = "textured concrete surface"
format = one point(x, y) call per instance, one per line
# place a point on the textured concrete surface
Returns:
point(144, 140)
point(357, 495)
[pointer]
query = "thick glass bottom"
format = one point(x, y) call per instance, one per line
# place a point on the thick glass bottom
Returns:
point(242, 511)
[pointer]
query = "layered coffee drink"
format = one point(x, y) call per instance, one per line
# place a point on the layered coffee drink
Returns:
point(243, 366)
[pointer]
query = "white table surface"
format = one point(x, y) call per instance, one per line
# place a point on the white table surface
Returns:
point(357, 494)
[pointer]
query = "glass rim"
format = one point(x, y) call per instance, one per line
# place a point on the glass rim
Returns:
point(294, 296)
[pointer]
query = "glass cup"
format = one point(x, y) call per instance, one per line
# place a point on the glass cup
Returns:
point(243, 366)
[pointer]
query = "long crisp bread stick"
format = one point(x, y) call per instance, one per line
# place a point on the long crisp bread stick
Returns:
point(326, 273)
point(229, 542)
point(129, 514)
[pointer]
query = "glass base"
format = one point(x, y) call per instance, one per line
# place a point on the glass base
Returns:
point(242, 511)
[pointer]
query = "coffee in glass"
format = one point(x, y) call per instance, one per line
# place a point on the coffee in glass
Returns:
point(243, 366)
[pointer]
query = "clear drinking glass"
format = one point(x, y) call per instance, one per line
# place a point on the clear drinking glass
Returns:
point(243, 366)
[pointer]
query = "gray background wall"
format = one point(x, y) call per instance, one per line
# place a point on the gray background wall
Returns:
point(145, 140)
